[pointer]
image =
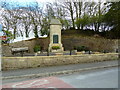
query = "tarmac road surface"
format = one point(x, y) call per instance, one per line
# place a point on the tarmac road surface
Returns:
point(99, 78)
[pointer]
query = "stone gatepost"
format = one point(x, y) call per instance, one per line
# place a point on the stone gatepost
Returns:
point(55, 36)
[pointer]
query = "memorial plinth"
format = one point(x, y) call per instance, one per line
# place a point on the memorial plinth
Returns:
point(55, 36)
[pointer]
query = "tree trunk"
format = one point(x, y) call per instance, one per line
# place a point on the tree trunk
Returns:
point(26, 31)
point(80, 8)
point(14, 33)
point(76, 9)
point(71, 12)
point(36, 32)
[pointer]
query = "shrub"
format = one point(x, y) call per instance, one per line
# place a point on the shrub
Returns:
point(81, 48)
point(75, 47)
point(37, 48)
point(55, 47)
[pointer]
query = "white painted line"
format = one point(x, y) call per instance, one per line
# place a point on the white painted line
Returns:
point(30, 84)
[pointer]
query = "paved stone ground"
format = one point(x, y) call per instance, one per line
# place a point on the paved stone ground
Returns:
point(56, 68)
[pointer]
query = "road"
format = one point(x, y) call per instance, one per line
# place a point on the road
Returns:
point(100, 78)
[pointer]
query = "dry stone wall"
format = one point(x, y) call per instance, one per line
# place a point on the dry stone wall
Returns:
point(94, 44)
point(44, 61)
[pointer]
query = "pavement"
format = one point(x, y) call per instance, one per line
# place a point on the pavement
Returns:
point(56, 70)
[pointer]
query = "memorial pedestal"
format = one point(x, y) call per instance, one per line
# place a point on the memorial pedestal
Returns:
point(55, 36)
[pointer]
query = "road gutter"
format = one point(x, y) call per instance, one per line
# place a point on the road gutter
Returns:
point(56, 73)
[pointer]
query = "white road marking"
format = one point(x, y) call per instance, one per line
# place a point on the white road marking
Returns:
point(30, 84)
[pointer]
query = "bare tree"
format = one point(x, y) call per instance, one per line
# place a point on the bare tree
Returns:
point(70, 7)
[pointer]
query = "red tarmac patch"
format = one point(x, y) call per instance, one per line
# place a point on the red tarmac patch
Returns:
point(49, 82)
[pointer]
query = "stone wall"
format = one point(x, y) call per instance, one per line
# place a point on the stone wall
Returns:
point(94, 44)
point(43, 61)
point(6, 48)
point(31, 43)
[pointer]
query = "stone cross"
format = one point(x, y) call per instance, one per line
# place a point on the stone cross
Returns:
point(55, 35)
